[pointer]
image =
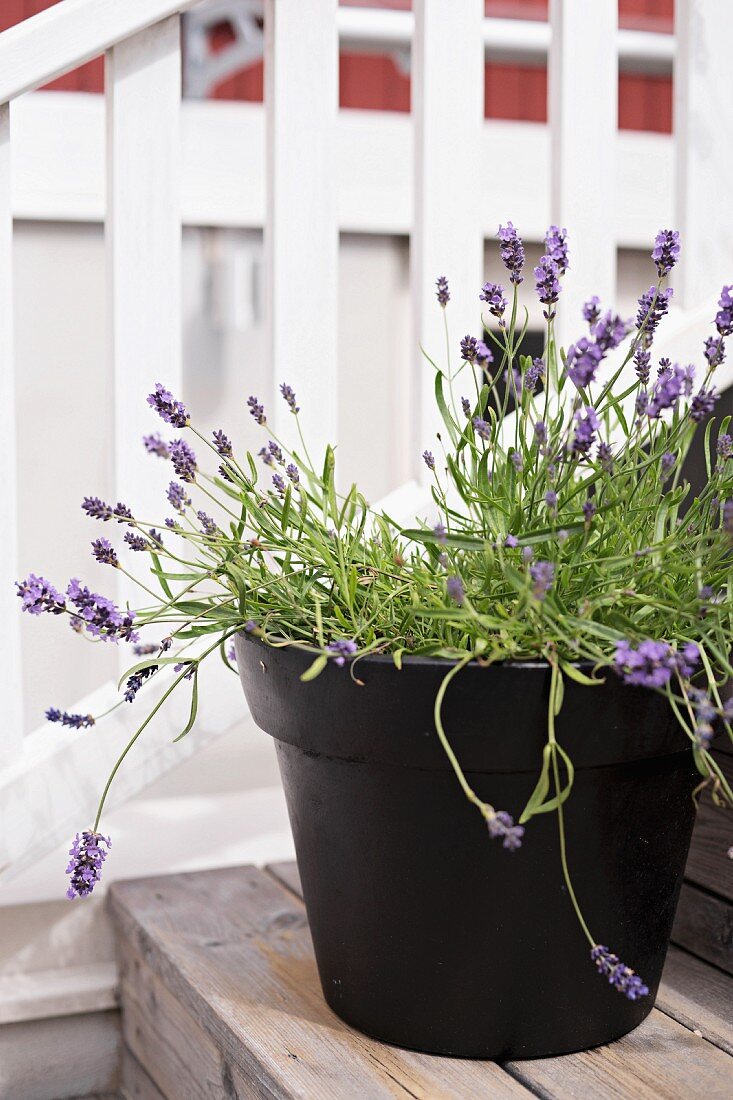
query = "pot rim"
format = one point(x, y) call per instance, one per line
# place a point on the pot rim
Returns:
point(421, 661)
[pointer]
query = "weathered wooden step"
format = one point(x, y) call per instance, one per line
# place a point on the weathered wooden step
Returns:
point(220, 999)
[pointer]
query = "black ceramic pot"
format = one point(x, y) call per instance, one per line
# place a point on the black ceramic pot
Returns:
point(427, 933)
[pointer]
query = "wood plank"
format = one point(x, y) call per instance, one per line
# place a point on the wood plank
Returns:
point(233, 949)
point(288, 874)
point(698, 996)
point(447, 111)
point(60, 1058)
point(709, 864)
point(11, 741)
point(660, 1060)
point(134, 1081)
point(582, 99)
point(301, 228)
point(704, 926)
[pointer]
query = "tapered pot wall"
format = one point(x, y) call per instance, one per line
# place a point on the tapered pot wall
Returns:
point(427, 933)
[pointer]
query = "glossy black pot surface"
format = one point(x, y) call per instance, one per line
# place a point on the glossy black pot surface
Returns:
point(427, 933)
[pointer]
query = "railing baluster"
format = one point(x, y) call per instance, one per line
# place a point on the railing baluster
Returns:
point(703, 124)
point(583, 93)
point(143, 89)
point(447, 109)
point(10, 637)
point(301, 231)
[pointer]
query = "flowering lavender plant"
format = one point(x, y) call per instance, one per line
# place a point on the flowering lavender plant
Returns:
point(562, 531)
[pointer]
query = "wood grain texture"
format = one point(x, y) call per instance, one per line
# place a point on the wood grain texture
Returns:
point(220, 986)
point(60, 1058)
point(660, 1060)
point(698, 996)
point(135, 1084)
point(708, 864)
point(704, 926)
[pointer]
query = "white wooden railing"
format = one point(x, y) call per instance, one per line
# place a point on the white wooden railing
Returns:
point(435, 175)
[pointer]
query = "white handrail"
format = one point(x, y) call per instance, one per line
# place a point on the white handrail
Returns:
point(66, 35)
point(74, 31)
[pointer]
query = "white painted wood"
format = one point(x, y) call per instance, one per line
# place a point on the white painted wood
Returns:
point(9, 607)
point(40, 994)
point(583, 91)
point(52, 788)
point(703, 125)
point(525, 40)
point(301, 231)
point(143, 229)
point(66, 35)
point(58, 169)
point(447, 111)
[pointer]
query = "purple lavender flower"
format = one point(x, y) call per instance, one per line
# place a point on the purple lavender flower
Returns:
point(266, 456)
point(511, 542)
point(592, 310)
point(156, 445)
point(517, 461)
point(556, 247)
point(484, 354)
point(39, 596)
point(232, 655)
point(543, 575)
point(501, 825)
point(439, 533)
point(145, 650)
point(207, 524)
point(178, 498)
point(588, 509)
point(170, 410)
point(122, 513)
point(493, 294)
point(293, 473)
point(257, 410)
point(687, 659)
point(605, 457)
point(85, 865)
point(688, 378)
point(651, 663)
point(586, 425)
point(620, 976)
point(714, 351)
point(481, 427)
point(667, 464)
point(515, 386)
point(705, 715)
point(104, 552)
point(222, 444)
point(275, 452)
point(136, 681)
point(703, 404)
point(455, 590)
point(547, 278)
point(534, 374)
point(724, 446)
point(184, 460)
point(583, 360)
point(466, 406)
point(96, 508)
point(724, 316)
point(249, 626)
point(610, 331)
point(642, 362)
point(666, 390)
point(289, 397)
point(72, 721)
point(727, 518)
point(511, 251)
point(100, 616)
point(551, 501)
point(527, 554)
point(442, 293)
point(653, 306)
point(342, 650)
point(469, 349)
point(136, 542)
point(429, 459)
point(540, 432)
point(279, 482)
point(666, 251)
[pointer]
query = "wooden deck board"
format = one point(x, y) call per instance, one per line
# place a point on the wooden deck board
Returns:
point(221, 999)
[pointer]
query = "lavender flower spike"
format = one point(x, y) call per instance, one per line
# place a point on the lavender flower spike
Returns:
point(85, 865)
point(454, 588)
point(170, 410)
point(469, 349)
point(442, 293)
point(289, 397)
point(582, 362)
point(72, 721)
point(511, 251)
point(39, 596)
point(556, 247)
point(724, 316)
point(547, 277)
point(222, 444)
point(501, 825)
point(666, 251)
point(104, 553)
point(156, 445)
point(429, 459)
point(341, 650)
point(621, 977)
point(543, 575)
point(184, 460)
point(592, 310)
point(257, 410)
point(493, 294)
